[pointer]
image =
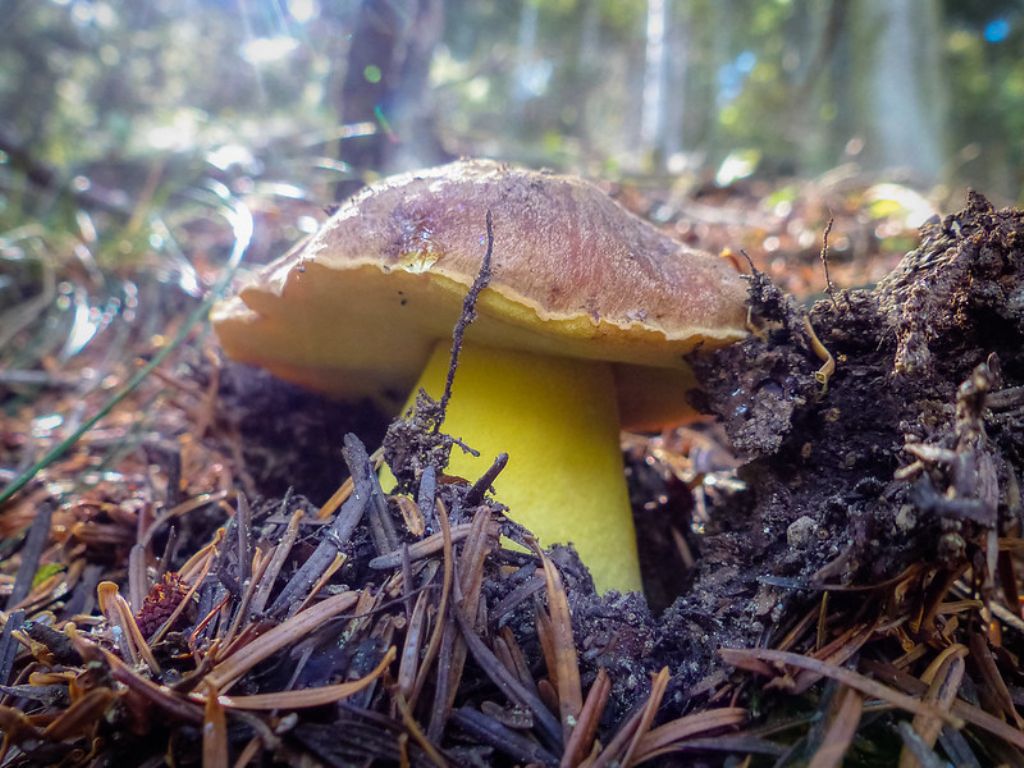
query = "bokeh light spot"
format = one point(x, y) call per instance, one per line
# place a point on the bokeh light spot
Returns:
point(997, 30)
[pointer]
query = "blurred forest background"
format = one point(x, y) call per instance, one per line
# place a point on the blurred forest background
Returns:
point(317, 93)
point(147, 145)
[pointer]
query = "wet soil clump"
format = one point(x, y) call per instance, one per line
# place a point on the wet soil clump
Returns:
point(910, 452)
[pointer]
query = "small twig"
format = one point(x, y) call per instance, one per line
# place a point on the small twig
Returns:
point(513, 690)
point(824, 262)
point(35, 543)
point(382, 528)
point(170, 547)
point(468, 315)
point(243, 524)
point(750, 261)
point(1005, 399)
point(426, 494)
point(37, 378)
point(9, 645)
point(475, 495)
point(420, 549)
point(243, 612)
point(138, 582)
point(337, 536)
point(520, 748)
point(281, 552)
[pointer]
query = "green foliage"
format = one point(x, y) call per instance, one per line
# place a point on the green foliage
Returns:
point(105, 89)
point(45, 572)
point(988, 83)
point(104, 83)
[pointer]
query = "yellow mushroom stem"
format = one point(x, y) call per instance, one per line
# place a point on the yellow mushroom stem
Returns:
point(557, 418)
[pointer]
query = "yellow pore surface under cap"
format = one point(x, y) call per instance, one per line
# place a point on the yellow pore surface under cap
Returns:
point(557, 418)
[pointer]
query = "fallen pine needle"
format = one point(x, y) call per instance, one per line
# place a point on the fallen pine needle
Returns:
point(215, 732)
point(661, 740)
point(841, 730)
point(296, 628)
point(307, 697)
point(739, 656)
point(567, 670)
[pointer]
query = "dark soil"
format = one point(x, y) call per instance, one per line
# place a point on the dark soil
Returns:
point(919, 360)
point(290, 437)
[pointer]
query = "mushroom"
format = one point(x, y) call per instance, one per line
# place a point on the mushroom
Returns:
point(581, 332)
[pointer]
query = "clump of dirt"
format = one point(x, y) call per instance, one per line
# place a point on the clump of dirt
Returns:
point(909, 451)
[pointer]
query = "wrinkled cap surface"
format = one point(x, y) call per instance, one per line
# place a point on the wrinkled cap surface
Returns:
point(356, 310)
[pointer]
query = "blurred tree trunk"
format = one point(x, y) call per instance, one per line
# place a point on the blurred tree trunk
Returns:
point(819, 102)
point(678, 50)
point(898, 87)
point(29, 72)
point(711, 38)
point(587, 68)
point(526, 51)
point(652, 116)
point(386, 84)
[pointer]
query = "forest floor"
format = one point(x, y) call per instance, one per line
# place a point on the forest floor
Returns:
point(833, 566)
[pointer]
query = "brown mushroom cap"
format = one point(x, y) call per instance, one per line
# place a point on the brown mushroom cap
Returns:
point(356, 310)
